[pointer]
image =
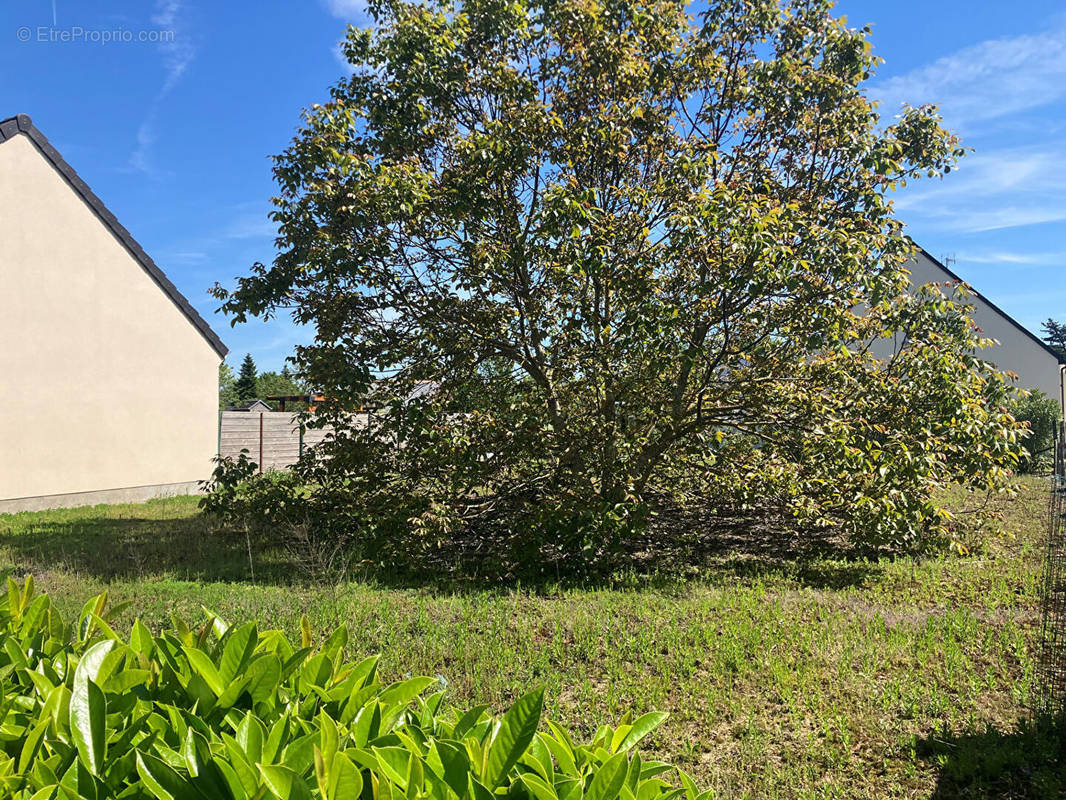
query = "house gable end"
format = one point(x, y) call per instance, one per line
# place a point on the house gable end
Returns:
point(22, 124)
point(950, 276)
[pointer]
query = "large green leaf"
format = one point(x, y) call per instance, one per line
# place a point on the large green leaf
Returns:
point(455, 764)
point(404, 692)
point(608, 779)
point(263, 673)
point(32, 743)
point(141, 638)
point(240, 645)
point(92, 660)
point(395, 764)
point(250, 735)
point(516, 730)
point(203, 665)
point(284, 783)
point(163, 781)
point(88, 709)
point(345, 780)
point(538, 787)
point(641, 728)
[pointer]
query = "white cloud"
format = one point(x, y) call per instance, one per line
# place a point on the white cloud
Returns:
point(989, 173)
point(1008, 257)
point(992, 190)
point(178, 52)
point(992, 215)
point(994, 219)
point(992, 79)
point(145, 140)
point(349, 10)
point(186, 257)
point(251, 226)
point(338, 53)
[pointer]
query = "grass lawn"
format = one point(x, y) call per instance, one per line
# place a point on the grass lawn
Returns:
point(784, 677)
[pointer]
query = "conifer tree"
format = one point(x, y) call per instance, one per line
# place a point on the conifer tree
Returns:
point(247, 380)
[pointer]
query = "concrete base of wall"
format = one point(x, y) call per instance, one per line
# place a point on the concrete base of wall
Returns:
point(135, 494)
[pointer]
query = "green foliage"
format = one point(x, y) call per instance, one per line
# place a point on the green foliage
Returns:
point(275, 383)
point(227, 393)
point(320, 521)
point(1055, 336)
point(228, 712)
point(232, 392)
point(245, 388)
point(1042, 415)
point(224, 495)
point(642, 249)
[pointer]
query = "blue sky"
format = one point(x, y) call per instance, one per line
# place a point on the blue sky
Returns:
point(176, 136)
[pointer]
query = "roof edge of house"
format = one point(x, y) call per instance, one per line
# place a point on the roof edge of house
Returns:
point(22, 124)
point(1046, 347)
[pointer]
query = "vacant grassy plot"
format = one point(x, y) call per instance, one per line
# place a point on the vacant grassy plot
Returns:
point(784, 678)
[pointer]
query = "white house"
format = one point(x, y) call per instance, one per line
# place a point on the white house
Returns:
point(108, 376)
point(1018, 349)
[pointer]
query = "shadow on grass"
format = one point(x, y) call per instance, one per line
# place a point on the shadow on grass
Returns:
point(1028, 763)
point(672, 554)
point(131, 548)
point(750, 545)
point(177, 542)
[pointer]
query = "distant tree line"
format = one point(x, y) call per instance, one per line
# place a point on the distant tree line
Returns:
point(249, 385)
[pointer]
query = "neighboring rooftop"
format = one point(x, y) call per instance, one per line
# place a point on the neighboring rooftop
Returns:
point(255, 405)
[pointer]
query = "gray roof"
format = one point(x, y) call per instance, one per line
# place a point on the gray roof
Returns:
point(9, 128)
point(255, 405)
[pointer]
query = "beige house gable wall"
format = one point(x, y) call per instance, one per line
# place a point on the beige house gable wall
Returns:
point(105, 384)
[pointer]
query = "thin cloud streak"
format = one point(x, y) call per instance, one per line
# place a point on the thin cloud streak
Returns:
point(985, 81)
point(992, 219)
point(251, 226)
point(993, 190)
point(1006, 257)
point(992, 173)
point(177, 53)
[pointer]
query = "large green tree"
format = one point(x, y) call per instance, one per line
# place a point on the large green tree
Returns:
point(246, 388)
point(1055, 336)
point(227, 381)
point(638, 247)
point(276, 383)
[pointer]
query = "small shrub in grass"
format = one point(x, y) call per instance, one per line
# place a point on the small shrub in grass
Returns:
point(230, 712)
point(1041, 414)
point(224, 492)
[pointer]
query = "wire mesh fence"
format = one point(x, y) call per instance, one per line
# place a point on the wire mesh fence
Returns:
point(1050, 689)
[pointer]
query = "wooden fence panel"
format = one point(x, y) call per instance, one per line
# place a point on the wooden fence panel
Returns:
point(272, 438)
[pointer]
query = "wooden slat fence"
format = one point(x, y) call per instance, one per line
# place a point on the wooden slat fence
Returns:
point(272, 438)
